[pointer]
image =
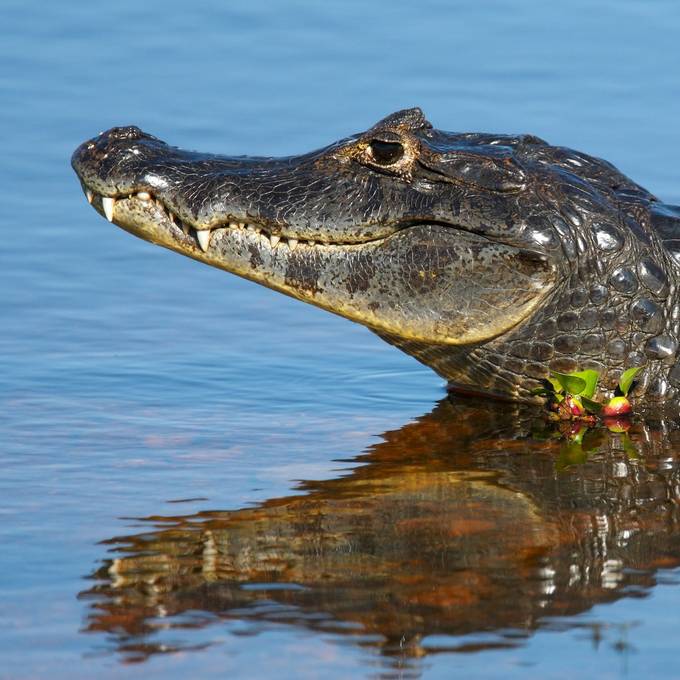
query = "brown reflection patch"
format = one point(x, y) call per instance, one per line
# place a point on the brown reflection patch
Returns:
point(454, 524)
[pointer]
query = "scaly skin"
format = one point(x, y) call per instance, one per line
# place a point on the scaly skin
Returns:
point(492, 259)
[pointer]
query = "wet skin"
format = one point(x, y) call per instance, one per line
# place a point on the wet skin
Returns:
point(490, 258)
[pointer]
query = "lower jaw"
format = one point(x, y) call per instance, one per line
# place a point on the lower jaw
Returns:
point(247, 253)
point(308, 274)
point(352, 281)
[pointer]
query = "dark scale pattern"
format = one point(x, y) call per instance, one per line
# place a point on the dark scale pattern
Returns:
point(624, 280)
point(609, 239)
point(648, 315)
point(653, 277)
point(661, 347)
point(616, 349)
point(490, 258)
point(589, 318)
point(608, 318)
point(598, 294)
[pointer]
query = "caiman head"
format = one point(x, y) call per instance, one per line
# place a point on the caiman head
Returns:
point(465, 250)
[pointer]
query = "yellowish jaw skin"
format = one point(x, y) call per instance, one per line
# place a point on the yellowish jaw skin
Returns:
point(456, 266)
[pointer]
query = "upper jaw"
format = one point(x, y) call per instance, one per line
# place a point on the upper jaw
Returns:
point(203, 192)
point(148, 217)
point(291, 200)
point(125, 170)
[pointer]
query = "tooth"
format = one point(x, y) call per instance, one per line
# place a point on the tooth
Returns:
point(171, 217)
point(89, 195)
point(311, 243)
point(241, 224)
point(273, 239)
point(233, 225)
point(203, 236)
point(185, 228)
point(292, 243)
point(107, 204)
point(250, 227)
point(144, 195)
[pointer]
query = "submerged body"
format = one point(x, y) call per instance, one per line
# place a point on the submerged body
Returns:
point(492, 259)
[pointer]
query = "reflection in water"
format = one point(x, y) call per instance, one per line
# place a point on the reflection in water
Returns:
point(459, 524)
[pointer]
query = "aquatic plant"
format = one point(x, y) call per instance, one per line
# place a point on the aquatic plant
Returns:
point(571, 396)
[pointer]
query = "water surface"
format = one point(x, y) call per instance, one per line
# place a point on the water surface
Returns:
point(203, 478)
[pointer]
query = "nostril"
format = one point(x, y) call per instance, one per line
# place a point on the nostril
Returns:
point(128, 132)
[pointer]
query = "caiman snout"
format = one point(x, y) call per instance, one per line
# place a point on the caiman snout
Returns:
point(128, 132)
point(91, 154)
point(117, 164)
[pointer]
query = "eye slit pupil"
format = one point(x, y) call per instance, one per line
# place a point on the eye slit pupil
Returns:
point(386, 153)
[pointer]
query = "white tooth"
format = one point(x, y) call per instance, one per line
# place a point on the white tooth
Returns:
point(241, 224)
point(89, 195)
point(203, 236)
point(292, 243)
point(171, 217)
point(185, 228)
point(107, 204)
point(311, 243)
point(144, 195)
point(233, 225)
point(250, 227)
point(274, 240)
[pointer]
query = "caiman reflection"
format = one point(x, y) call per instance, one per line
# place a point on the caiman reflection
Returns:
point(456, 524)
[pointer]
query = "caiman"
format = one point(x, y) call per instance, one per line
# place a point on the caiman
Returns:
point(493, 259)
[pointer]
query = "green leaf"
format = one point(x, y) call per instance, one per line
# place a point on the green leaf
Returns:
point(629, 448)
point(577, 437)
point(626, 379)
point(571, 453)
point(547, 387)
point(591, 377)
point(573, 384)
point(593, 440)
point(555, 384)
point(590, 405)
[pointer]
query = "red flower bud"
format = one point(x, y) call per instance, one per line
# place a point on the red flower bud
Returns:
point(618, 406)
point(573, 406)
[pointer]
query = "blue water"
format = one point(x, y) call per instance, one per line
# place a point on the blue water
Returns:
point(132, 378)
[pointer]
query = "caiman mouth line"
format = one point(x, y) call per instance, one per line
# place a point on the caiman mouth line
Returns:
point(203, 236)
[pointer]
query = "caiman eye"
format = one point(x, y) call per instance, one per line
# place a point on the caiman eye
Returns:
point(386, 153)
